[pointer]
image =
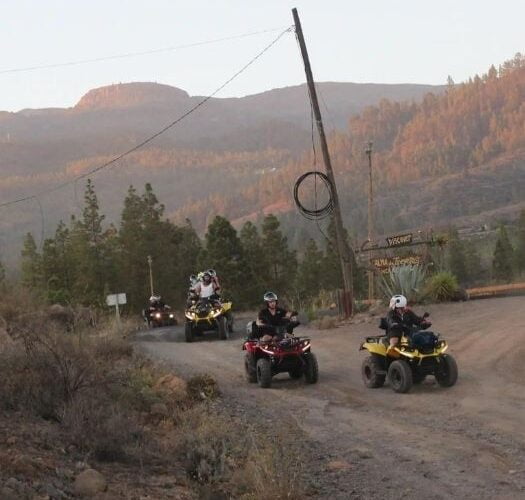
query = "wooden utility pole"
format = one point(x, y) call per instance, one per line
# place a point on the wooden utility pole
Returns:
point(150, 262)
point(368, 152)
point(345, 252)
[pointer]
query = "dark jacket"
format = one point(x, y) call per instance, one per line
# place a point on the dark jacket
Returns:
point(403, 323)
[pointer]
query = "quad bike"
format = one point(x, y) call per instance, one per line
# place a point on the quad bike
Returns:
point(416, 356)
point(206, 315)
point(264, 359)
point(160, 317)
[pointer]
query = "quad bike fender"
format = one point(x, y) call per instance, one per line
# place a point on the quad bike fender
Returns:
point(226, 306)
point(374, 348)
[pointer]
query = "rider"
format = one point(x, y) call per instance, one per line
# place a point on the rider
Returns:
point(214, 278)
point(207, 288)
point(401, 321)
point(155, 304)
point(272, 317)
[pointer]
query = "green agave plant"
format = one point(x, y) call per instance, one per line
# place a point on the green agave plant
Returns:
point(442, 286)
point(406, 280)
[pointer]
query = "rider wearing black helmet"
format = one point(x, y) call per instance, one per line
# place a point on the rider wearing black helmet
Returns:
point(272, 317)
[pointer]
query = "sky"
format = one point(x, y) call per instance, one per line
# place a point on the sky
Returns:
point(380, 41)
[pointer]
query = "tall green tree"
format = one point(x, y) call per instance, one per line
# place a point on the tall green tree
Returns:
point(310, 272)
point(224, 253)
point(520, 247)
point(31, 264)
point(256, 260)
point(503, 258)
point(281, 262)
point(89, 253)
point(332, 278)
point(456, 256)
point(475, 271)
point(2, 275)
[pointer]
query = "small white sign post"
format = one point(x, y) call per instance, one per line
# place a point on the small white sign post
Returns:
point(116, 299)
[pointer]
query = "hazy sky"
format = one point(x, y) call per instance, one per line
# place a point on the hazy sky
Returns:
point(384, 41)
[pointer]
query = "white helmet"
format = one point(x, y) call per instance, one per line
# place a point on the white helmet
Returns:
point(398, 301)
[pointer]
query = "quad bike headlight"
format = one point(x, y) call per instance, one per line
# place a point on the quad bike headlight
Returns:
point(216, 312)
point(158, 315)
point(171, 316)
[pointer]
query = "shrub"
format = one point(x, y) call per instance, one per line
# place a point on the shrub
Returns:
point(202, 387)
point(406, 280)
point(442, 286)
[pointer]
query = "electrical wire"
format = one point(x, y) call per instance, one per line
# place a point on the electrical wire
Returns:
point(136, 54)
point(155, 135)
point(315, 213)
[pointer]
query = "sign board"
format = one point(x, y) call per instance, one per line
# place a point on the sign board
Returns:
point(116, 299)
point(384, 264)
point(399, 240)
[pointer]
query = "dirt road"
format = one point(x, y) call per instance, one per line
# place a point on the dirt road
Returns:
point(463, 442)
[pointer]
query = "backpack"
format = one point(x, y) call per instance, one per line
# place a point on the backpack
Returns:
point(424, 341)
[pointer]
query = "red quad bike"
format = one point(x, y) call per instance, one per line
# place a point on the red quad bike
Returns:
point(264, 359)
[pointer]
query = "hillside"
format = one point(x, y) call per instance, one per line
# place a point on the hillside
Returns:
point(458, 155)
point(225, 147)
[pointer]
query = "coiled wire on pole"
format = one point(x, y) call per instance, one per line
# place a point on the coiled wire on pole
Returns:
point(315, 213)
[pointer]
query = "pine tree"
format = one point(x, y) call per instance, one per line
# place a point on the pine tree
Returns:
point(475, 271)
point(520, 248)
point(456, 256)
point(281, 262)
point(88, 253)
point(31, 264)
point(2, 274)
point(224, 253)
point(503, 259)
point(332, 278)
point(255, 259)
point(310, 272)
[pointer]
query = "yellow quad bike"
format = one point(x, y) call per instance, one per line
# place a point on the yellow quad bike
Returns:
point(416, 356)
point(205, 315)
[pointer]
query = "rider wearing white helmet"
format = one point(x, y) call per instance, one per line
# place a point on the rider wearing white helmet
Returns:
point(401, 320)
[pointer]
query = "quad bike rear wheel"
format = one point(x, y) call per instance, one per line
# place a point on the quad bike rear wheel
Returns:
point(188, 332)
point(400, 376)
point(311, 369)
point(264, 373)
point(223, 328)
point(250, 368)
point(372, 372)
point(447, 372)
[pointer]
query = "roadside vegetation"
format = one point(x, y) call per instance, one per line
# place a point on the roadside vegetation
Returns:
point(76, 399)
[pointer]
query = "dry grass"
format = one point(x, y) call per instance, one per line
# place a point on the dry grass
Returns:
point(108, 404)
point(326, 323)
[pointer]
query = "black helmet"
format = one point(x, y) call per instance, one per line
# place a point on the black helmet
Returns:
point(270, 297)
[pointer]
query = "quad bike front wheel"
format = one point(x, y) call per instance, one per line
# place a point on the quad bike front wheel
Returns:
point(264, 373)
point(400, 376)
point(311, 369)
point(223, 328)
point(188, 332)
point(250, 368)
point(372, 372)
point(447, 372)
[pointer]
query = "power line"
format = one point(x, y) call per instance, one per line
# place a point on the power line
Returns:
point(137, 54)
point(151, 137)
